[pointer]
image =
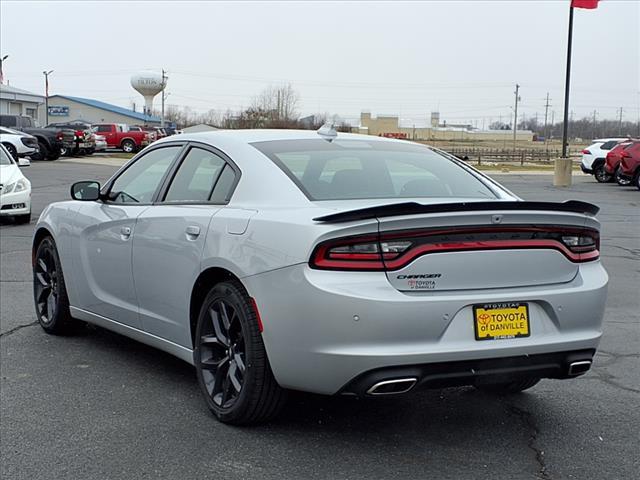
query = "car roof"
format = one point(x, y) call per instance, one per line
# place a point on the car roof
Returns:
point(265, 135)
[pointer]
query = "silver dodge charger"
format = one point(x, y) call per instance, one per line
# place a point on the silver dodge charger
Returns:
point(339, 264)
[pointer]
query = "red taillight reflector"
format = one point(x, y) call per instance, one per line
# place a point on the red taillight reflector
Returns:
point(586, 152)
point(257, 312)
point(395, 250)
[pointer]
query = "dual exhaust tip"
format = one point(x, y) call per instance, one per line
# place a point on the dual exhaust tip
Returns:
point(403, 385)
point(393, 387)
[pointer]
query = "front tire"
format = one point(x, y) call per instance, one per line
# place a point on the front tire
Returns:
point(620, 179)
point(231, 362)
point(601, 174)
point(50, 292)
point(22, 219)
point(506, 388)
point(12, 150)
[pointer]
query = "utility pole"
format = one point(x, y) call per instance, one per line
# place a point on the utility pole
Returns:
point(595, 124)
point(620, 123)
point(515, 117)
point(546, 112)
point(164, 85)
point(46, 95)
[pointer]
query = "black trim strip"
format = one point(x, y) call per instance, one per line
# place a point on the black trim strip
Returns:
point(413, 208)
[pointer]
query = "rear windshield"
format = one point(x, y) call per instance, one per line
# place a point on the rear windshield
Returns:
point(355, 169)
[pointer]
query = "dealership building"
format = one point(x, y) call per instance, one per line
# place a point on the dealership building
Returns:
point(64, 107)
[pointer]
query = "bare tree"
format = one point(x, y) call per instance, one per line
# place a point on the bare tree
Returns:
point(279, 103)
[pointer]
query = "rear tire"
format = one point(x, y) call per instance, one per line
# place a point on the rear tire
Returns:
point(636, 180)
point(128, 146)
point(601, 175)
point(231, 362)
point(50, 292)
point(620, 179)
point(506, 388)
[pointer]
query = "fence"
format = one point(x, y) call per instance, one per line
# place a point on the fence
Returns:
point(501, 155)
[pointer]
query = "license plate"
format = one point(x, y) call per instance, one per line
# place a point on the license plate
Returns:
point(501, 321)
point(84, 145)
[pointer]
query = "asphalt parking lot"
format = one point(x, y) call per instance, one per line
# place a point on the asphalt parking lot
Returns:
point(98, 405)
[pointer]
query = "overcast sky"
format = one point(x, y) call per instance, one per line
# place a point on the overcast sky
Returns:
point(405, 58)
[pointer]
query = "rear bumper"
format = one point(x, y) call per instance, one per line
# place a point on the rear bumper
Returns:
point(586, 169)
point(473, 372)
point(322, 330)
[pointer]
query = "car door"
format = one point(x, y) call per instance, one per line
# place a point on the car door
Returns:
point(169, 240)
point(109, 134)
point(103, 274)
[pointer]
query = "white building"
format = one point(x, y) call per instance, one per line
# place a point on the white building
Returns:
point(15, 101)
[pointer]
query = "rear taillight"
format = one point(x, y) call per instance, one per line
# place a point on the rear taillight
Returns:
point(59, 136)
point(395, 250)
point(586, 152)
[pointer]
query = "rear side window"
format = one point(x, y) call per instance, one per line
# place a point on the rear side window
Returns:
point(362, 169)
point(196, 177)
point(224, 186)
point(609, 145)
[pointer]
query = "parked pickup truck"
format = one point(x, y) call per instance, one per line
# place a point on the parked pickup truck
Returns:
point(84, 139)
point(118, 137)
point(50, 140)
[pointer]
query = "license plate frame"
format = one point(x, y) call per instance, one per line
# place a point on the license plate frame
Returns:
point(511, 318)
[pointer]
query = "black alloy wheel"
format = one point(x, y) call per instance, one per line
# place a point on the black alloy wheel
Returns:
point(49, 290)
point(222, 354)
point(621, 179)
point(231, 362)
point(601, 174)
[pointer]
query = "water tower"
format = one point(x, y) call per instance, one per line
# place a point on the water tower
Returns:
point(148, 84)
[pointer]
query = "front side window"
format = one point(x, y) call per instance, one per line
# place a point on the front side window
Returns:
point(363, 169)
point(103, 128)
point(196, 177)
point(139, 182)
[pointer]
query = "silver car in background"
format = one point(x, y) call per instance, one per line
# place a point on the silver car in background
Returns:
point(323, 262)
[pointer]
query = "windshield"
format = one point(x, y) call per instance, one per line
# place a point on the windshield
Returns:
point(5, 159)
point(362, 169)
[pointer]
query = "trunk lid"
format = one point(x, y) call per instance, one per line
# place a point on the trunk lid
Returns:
point(479, 250)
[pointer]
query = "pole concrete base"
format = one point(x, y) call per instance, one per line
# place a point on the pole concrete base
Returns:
point(562, 172)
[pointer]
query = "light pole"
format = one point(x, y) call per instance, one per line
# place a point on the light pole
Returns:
point(46, 95)
point(2, 71)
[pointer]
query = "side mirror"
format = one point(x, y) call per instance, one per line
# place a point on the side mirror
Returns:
point(23, 162)
point(85, 191)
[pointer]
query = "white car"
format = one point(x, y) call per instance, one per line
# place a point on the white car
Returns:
point(18, 144)
point(15, 188)
point(594, 156)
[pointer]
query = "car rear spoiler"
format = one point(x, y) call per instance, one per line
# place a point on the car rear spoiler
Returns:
point(413, 208)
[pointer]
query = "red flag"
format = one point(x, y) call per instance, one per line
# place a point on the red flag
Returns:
point(590, 4)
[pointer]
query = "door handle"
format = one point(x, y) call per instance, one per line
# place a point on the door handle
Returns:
point(125, 232)
point(193, 231)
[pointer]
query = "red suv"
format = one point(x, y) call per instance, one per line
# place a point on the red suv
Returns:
point(630, 164)
point(612, 162)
